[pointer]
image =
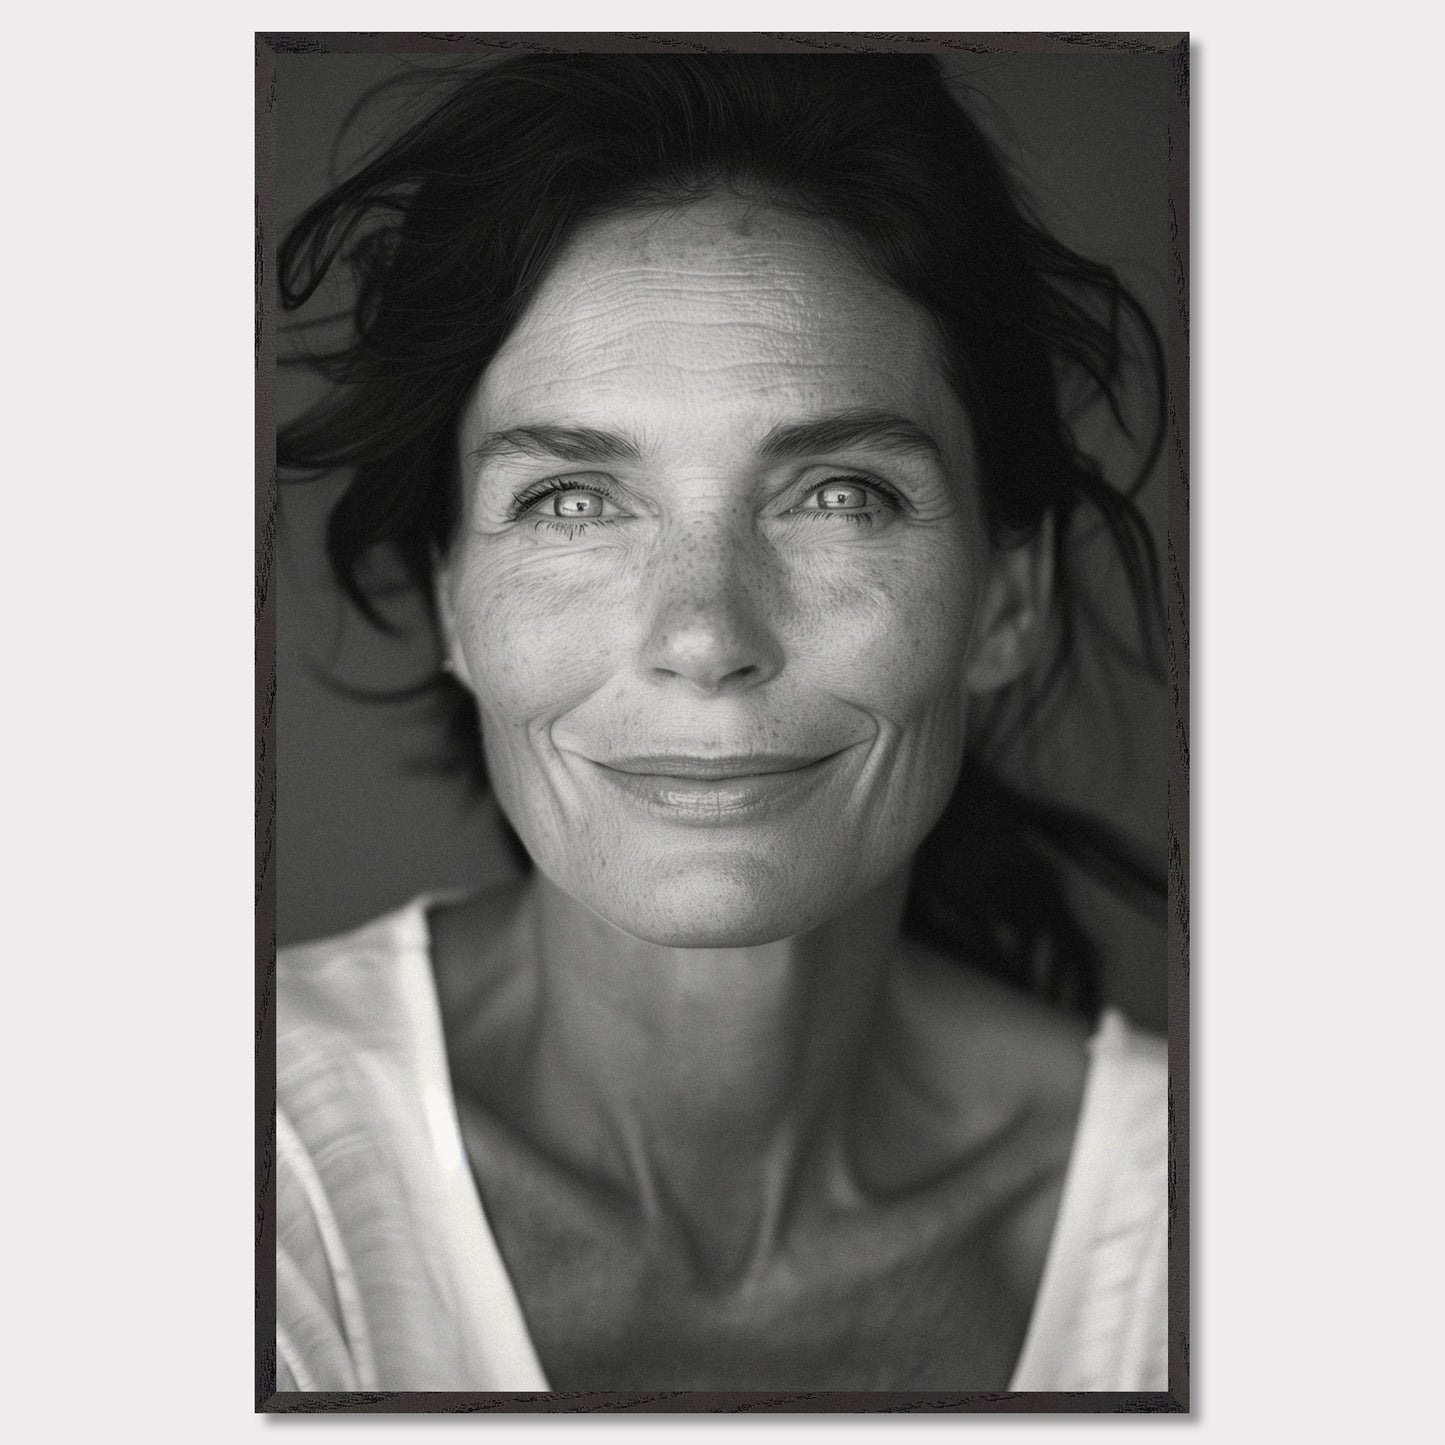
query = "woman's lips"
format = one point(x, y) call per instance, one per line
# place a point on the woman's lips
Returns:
point(709, 791)
point(692, 765)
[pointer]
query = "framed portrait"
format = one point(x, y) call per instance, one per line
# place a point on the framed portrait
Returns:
point(722, 722)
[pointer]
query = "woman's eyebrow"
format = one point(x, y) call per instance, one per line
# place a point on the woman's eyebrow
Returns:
point(564, 443)
point(788, 441)
point(877, 430)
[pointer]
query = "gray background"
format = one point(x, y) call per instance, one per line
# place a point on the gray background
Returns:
point(360, 828)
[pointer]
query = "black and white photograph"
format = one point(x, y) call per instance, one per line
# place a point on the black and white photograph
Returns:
point(722, 903)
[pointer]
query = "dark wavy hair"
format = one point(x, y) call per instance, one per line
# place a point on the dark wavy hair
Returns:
point(449, 231)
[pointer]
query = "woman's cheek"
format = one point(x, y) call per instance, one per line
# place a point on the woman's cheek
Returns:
point(889, 631)
point(539, 632)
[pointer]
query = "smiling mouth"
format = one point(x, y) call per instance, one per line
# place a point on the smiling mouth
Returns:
point(710, 791)
point(681, 765)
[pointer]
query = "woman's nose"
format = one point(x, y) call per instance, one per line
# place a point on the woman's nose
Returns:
point(712, 622)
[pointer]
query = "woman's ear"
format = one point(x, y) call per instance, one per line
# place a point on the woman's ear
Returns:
point(453, 660)
point(1013, 612)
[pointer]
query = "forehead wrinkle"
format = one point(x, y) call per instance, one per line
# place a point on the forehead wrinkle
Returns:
point(767, 281)
point(739, 358)
point(788, 300)
point(775, 321)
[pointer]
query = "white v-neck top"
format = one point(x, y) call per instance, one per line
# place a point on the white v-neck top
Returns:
point(388, 1276)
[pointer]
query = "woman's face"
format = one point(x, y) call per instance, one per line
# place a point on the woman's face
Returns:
point(722, 585)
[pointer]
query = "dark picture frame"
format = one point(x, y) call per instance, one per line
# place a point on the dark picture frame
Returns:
point(1173, 52)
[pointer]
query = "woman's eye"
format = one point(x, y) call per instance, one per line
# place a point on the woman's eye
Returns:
point(841, 497)
point(573, 504)
point(561, 502)
point(847, 497)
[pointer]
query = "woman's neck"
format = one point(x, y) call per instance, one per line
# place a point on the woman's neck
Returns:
point(701, 1081)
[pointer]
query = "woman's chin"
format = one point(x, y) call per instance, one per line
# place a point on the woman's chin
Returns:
point(736, 903)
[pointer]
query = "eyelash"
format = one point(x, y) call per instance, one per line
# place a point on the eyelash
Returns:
point(891, 501)
point(526, 500)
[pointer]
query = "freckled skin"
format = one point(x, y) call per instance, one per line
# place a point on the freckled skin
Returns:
point(706, 614)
